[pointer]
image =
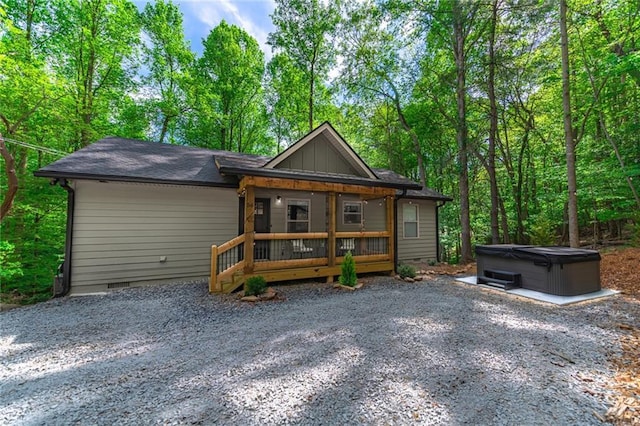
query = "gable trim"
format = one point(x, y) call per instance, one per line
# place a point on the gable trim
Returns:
point(338, 142)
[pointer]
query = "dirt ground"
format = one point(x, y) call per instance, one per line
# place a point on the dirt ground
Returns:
point(619, 270)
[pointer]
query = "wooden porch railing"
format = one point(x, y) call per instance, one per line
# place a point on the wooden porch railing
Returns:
point(226, 260)
point(282, 256)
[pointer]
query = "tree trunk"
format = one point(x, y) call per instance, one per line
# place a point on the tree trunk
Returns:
point(416, 143)
point(519, 193)
point(493, 128)
point(504, 223)
point(312, 89)
point(165, 126)
point(461, 134)
point(12, 180)
point(569, 137)
point(223, 137)
point(86, 80)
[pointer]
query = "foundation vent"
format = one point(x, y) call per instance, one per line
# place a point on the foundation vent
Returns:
point(123, 284)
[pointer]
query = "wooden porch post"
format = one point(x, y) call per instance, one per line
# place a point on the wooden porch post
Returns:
point(249, 227)
point(213, 278)
point(390, 228)
point(331, 237)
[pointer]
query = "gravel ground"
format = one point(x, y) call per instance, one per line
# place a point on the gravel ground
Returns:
point(434, 352)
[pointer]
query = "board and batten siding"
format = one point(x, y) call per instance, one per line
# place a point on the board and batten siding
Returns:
point(424, 247)
point(123, 232)
point(319, 155)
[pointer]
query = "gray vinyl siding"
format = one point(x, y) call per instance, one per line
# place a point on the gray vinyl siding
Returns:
point(319, 155)
point(279, 211)
point(375, 216)
point(121, 230)
point(374, 213)
point(422, 248)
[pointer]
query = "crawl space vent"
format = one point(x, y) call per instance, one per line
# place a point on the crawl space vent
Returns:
point(119, 285)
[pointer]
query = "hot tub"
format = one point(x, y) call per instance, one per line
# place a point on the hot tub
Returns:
point(562, 271)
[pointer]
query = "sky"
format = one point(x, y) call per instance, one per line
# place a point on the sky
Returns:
point(201, 16)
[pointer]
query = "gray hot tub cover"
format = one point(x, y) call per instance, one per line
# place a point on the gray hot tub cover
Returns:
point(539, 255)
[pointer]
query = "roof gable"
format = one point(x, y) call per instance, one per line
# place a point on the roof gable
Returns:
point(322, 150)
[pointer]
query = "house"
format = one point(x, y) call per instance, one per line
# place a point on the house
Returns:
point(143, 213)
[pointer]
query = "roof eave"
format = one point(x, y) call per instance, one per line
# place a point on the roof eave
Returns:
point(336, 179)
point(430, 197)
point(112, 178)
point(435, 197)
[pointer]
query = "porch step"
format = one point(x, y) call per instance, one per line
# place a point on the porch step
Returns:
point(501, 279)
point(229, 286)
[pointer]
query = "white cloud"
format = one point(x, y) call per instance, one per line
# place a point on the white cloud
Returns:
point(252, 16)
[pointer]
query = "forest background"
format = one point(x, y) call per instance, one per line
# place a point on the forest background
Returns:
point(525, 112)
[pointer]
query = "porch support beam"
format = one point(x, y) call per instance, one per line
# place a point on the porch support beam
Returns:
point(308, 185)
point(390, 228)
point(249, 228)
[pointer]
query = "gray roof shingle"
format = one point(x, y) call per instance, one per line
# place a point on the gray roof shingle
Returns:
point(120, 159)
point(133, 160)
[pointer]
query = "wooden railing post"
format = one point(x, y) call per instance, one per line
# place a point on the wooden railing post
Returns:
point(390, 229)
point(213, 279)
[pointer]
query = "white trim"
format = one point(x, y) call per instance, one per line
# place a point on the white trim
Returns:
point(404, 234)
point(361, 212)
point(286, 213)
point(337, 142)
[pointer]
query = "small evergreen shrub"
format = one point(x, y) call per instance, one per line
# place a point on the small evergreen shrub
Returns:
point(255, 286)
point(406, 271)
point(348, 276)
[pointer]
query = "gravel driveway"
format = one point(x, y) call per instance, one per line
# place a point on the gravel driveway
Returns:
point(434, 352)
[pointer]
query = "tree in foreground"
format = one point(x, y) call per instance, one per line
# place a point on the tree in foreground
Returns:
point(170, 60)
point(304, 30)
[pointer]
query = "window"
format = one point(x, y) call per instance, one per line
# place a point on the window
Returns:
point(259, 208)
point(352, 213)
point(298, 215)
point(410, 220)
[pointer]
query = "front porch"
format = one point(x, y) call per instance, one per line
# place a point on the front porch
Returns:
point(337, 228)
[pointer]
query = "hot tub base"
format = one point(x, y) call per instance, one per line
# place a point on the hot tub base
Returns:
point(559, 271)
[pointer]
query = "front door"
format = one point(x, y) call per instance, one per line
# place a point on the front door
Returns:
point(261, 223)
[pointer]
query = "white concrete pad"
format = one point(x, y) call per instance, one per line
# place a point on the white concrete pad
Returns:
point(544, 297)
point(97, 293)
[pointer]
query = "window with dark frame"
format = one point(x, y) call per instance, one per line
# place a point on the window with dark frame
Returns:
point(298, 216)
point(410, 221)
point(352, 212)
